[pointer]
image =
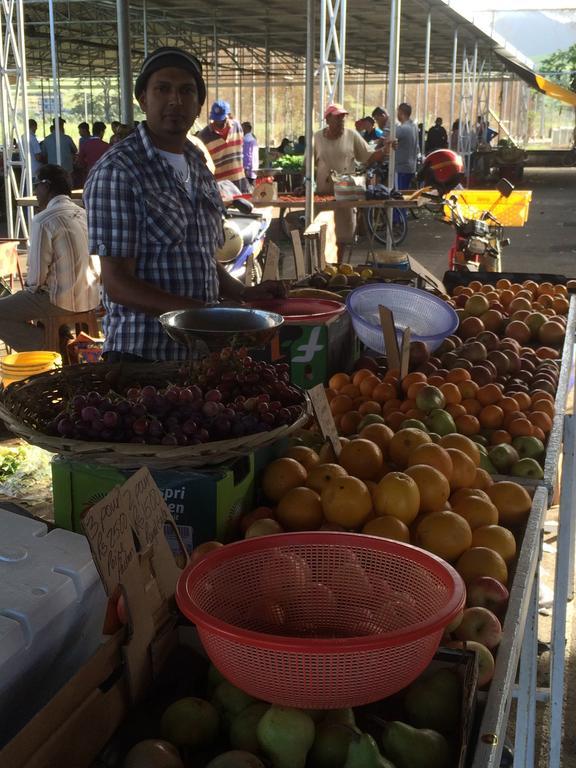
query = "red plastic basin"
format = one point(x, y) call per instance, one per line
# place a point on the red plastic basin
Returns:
point(302, 310)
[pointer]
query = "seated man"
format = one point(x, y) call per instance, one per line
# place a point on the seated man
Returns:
point(62, 276)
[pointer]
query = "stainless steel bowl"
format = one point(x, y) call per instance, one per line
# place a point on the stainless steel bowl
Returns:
point(219, 327)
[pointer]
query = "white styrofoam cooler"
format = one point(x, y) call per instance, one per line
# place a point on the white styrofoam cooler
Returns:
point(52, 607)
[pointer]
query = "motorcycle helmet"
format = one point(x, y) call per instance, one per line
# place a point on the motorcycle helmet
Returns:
point(442, 169)
point(233, 242)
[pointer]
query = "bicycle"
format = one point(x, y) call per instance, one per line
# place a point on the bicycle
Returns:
point(376, 218)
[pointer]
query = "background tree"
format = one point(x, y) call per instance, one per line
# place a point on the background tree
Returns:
point(561, 67)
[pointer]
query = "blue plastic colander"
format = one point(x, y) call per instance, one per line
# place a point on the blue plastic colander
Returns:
point(429, 318)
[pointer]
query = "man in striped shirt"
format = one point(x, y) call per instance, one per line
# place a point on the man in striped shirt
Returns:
point(224, 139)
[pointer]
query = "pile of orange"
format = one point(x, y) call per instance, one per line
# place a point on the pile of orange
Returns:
point(405, 487)
point(476, 410)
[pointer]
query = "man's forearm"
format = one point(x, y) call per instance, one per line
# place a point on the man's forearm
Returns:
point(140, 296)
point(230, 288)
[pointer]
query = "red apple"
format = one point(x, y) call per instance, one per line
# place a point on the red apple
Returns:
point(203, 549)
point(260, 513)
point(486, 662)
point(481, 625)
point(488, 592)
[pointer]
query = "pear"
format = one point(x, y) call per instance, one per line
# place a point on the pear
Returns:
point(363, 752)
point(190, 722)
point(410, 747)
point(285, 736)
point(230, 699)
point(486, 464)
point(529, 447)
point(434, 701)
point(527, 468)
point(340, 717)
point(330, 748)
point(503, 457)
point(236, 759)
point(244, 727)
point(215, 677)
point(441, 422)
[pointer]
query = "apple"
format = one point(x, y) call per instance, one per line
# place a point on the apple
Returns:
point(487, 592)
point(486, 662)
point(481, 625)
point(203, 549)
point(260, 513)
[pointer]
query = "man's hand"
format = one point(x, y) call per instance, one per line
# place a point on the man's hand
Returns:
point(269, 289)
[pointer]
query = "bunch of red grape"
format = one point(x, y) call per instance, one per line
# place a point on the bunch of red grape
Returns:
point(226, 395)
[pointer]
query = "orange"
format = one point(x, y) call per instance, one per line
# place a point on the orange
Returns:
point(341, 404)
point(305, 455)
point(489, 394)
point(457, 375)
point(357, 402)
point(433, 486)
point(416, 413)
point(280, 476)
point(408, 405)
point(491, 417)
point(330, 394)
point(413, 389)
point(496, 537)
point(388, 527)
point(326, 453)
point(503, 283)
point(455, 410)
point(361, 458)
point(368, 385)
point(384, 392)
point(545, 406)
point(541, 420)
point(541, 394)
point(433, 456)
point(472, 406)
point(468, 389)
point(346, 502)
point(360, 375)
point(464, 469)
point(397, 494)
point(390, 406)
point(393, 375)
point(436, 381)
point(351, 390)
point(411, 379)
point(500, 436)
point(379, 434)
point(444, 534)
point(509, 404)
point(338, 381)
point(466, 493)
point(537, 432)
point(523, 399)
point(512, 501)
point(394, 420)
point(521, 428)
point(477, 511)
point(467, 425)
point(451, 393)
point(513, 416)
point(370, 406)
point(481, 561)
point(300, 510)
point(349, 422)
point(483, 479)
point(464, 444)
point(404, 442)
point(323, 475)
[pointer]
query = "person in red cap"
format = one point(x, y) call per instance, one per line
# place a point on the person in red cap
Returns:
point(337, 148)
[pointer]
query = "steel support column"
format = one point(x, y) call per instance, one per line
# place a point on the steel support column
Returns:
point(56, 108)
point(332, 52)
point(309, 113)
point(14, 109)
point(267, 104)
point(125, 62)
point(145, 25)
point(426, 77)
point(394, 57)
point(453, 83)
point(215, 62)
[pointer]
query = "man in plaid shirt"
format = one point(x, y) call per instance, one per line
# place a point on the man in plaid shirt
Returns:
point(155, 217)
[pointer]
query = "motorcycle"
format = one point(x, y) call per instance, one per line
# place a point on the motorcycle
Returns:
point(244, 237)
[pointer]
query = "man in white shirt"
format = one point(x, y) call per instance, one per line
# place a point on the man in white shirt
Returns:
point(62, 276)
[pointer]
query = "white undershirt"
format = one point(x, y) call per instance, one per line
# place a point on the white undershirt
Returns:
point(181, 168)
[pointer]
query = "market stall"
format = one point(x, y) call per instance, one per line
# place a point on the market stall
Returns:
point(459, 397)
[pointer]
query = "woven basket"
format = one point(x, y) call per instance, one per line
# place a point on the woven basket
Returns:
point(26, 407)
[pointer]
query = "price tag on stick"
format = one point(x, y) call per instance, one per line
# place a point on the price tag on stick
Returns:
point(271, 267)
point(390, 339)
point(324, 416)
point(298, 254)
point(405, 353)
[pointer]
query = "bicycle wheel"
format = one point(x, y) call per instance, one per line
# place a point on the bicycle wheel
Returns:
point(377, 222)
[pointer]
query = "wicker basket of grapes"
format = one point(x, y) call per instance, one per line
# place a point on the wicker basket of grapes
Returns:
point(162, 415)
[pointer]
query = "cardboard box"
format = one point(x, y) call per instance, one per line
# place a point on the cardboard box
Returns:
point(314, 351)
point(204, 503)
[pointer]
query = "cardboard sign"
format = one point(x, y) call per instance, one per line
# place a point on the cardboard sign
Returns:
point(249, 270)
point(390, 338)
point(298, 254)
point(405, 353)
point(271, 269)
point(324, 416)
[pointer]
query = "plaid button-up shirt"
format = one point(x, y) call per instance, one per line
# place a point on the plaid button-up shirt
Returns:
point(139, 208)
